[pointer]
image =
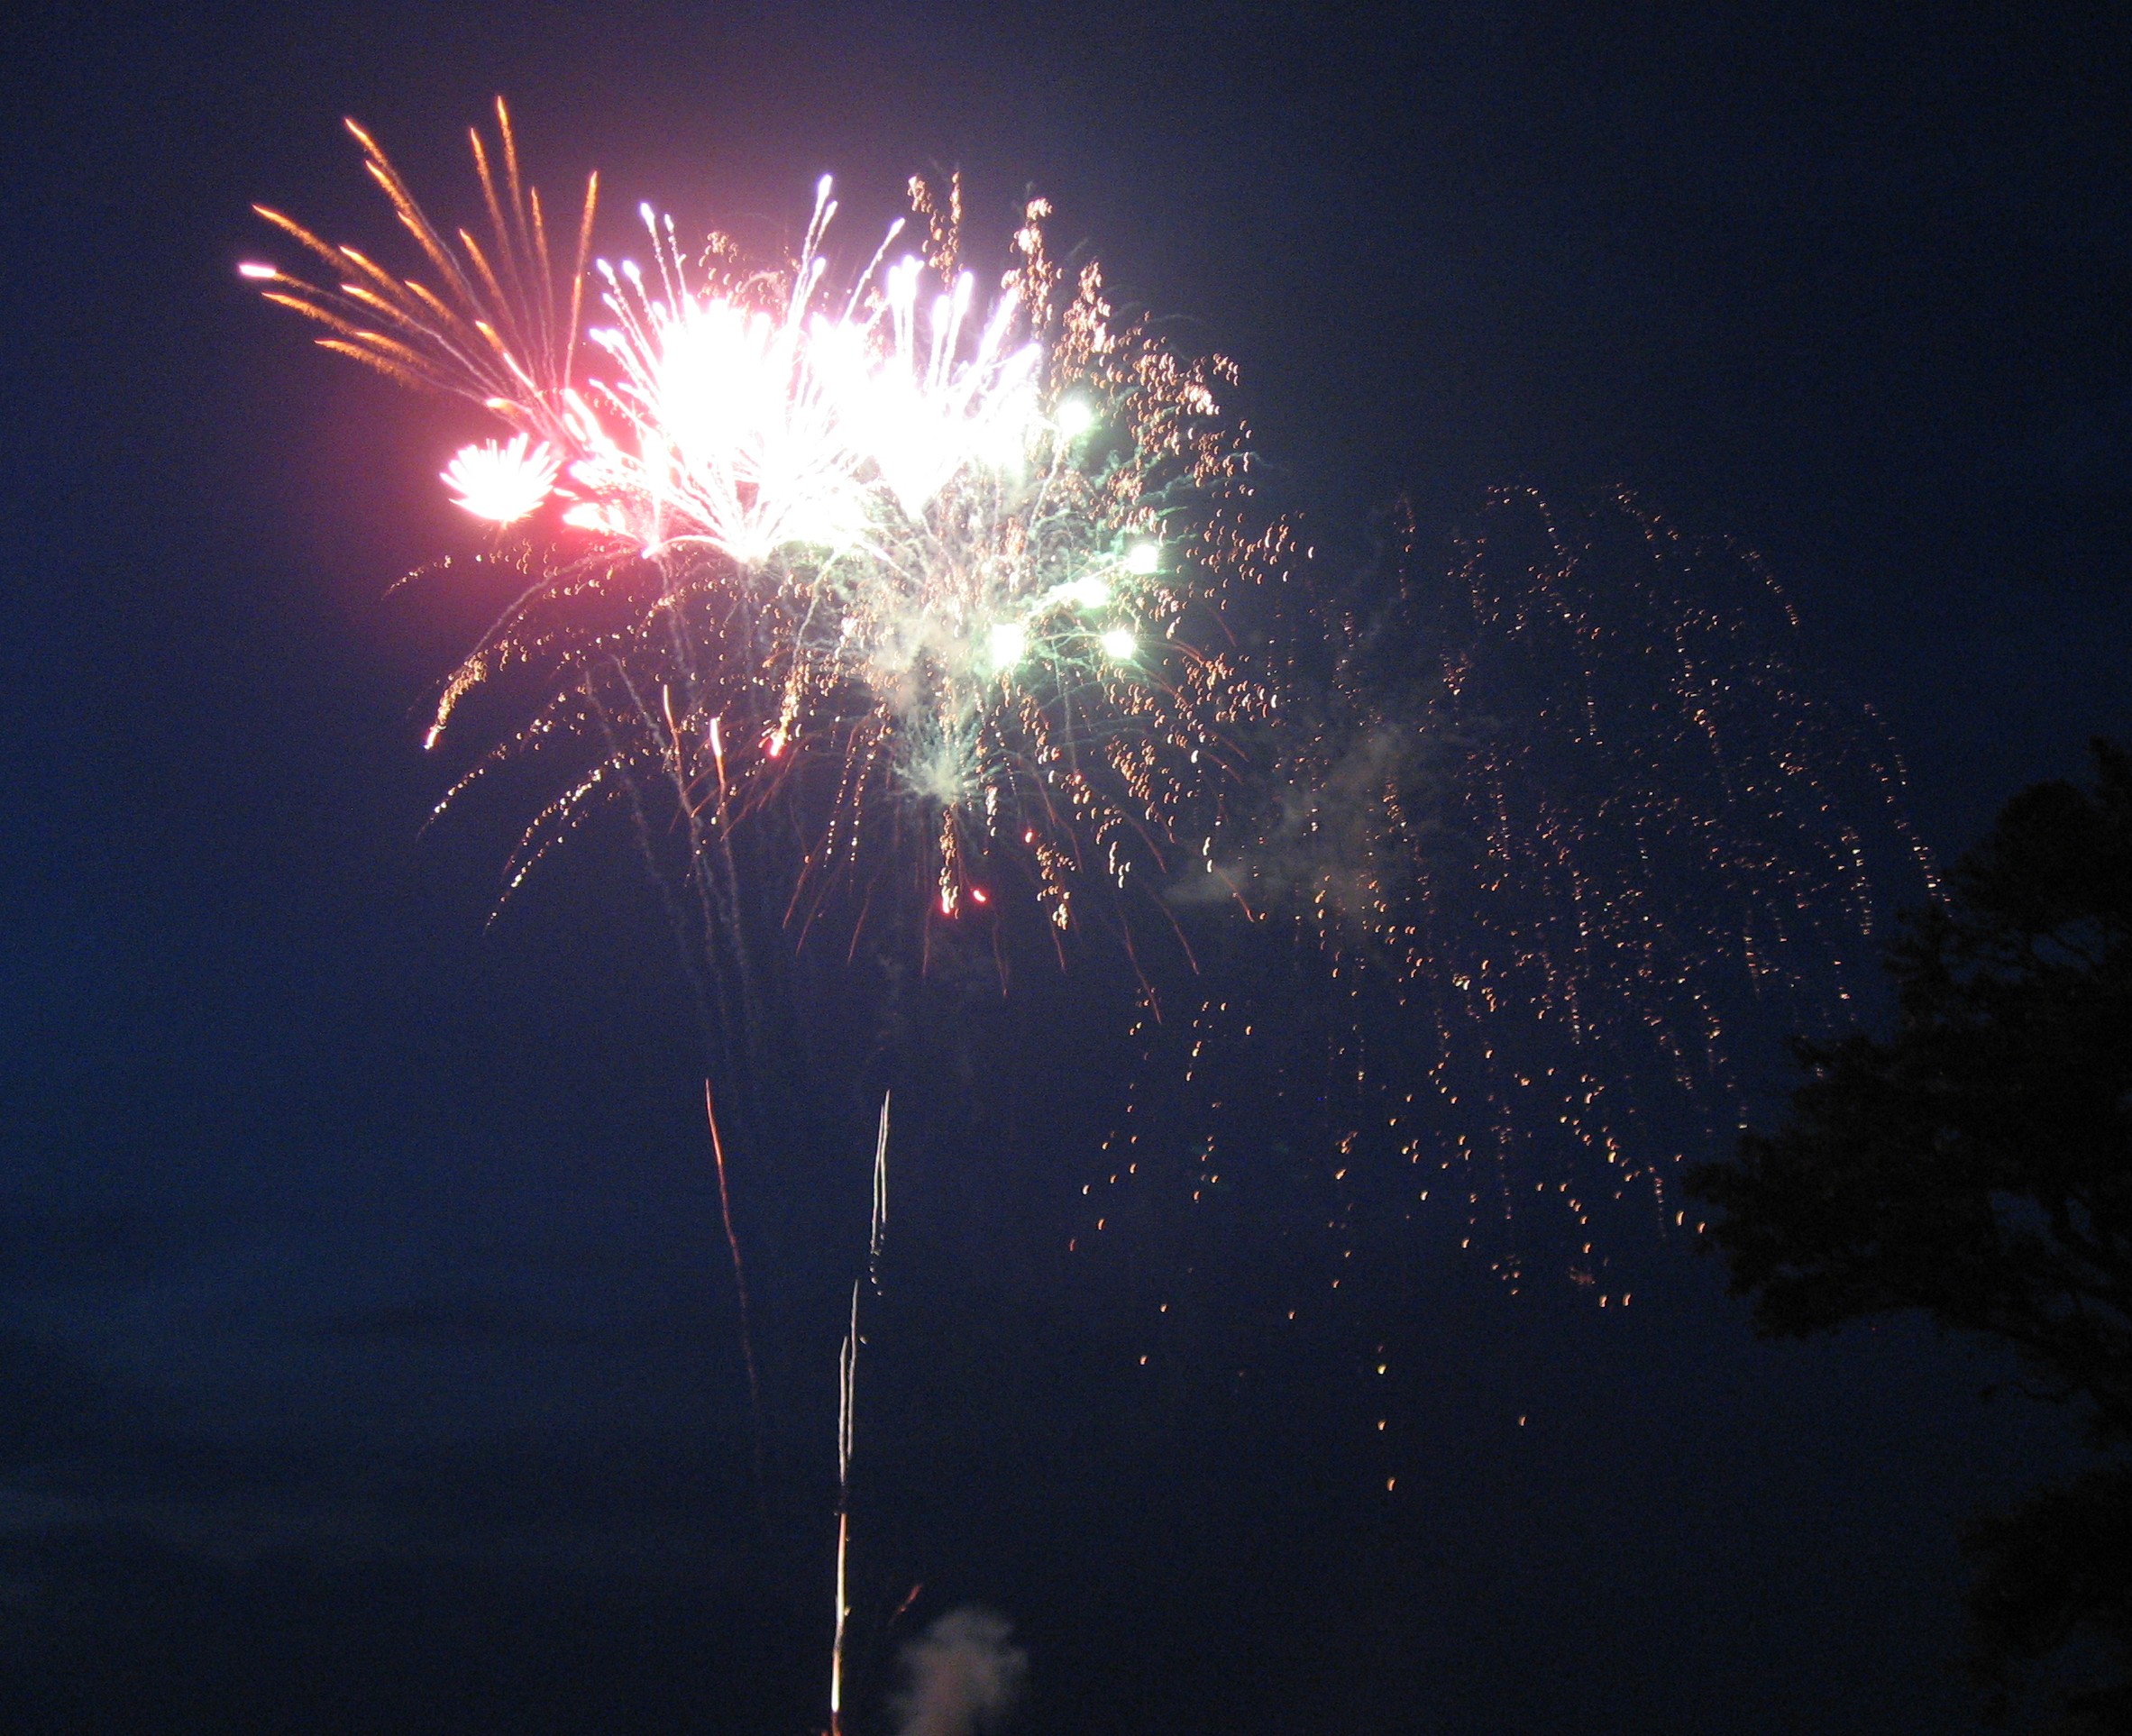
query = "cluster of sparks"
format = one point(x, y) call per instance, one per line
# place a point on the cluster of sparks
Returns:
point(903, 554)
point(1576, 843)
point(960, 588)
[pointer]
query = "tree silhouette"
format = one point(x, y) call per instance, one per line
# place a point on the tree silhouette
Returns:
point(1977, 1165)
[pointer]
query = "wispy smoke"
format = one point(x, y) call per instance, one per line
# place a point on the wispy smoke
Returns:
point(1342, 835)
point(963, 1676)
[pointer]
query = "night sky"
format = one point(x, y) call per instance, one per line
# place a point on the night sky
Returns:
point(367, 1348)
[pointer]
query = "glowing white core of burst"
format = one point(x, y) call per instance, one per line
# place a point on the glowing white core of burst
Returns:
point(1009, 643)
point(1120, 643)
point(735, 436)
point(1075, 418)
point(502, 483)
point(1142, 558)
point(1088, 593)
point(931, 405)
point(589, 515)
point(756, 432)
point(258, 273)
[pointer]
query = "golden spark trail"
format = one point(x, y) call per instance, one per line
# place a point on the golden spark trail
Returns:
point(847, 1416)
point(748, 1342)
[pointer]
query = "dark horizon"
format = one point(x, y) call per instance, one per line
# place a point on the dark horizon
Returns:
point(367, 1349)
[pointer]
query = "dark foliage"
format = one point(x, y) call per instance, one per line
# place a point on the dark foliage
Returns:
point(1977, 1165)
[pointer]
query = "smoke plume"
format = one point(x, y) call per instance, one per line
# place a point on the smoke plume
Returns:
point(963, 1676)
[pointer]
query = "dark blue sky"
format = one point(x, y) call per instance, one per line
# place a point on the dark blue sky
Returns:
point(366, 1362)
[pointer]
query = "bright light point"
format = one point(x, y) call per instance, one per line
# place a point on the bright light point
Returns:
point(1142, 558)
point(977, 895)
point(502, 483)
point(1089, 593)
point(1120, 643)
point(1009, 640)
point(1075, 417)
point(250, 268)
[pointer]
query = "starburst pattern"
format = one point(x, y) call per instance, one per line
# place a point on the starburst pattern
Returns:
point(937, 577)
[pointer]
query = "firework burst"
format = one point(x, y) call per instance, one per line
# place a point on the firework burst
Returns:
point(941, 600)
point(937, 572)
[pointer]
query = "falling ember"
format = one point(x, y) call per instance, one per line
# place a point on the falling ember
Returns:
point(1576, 840)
